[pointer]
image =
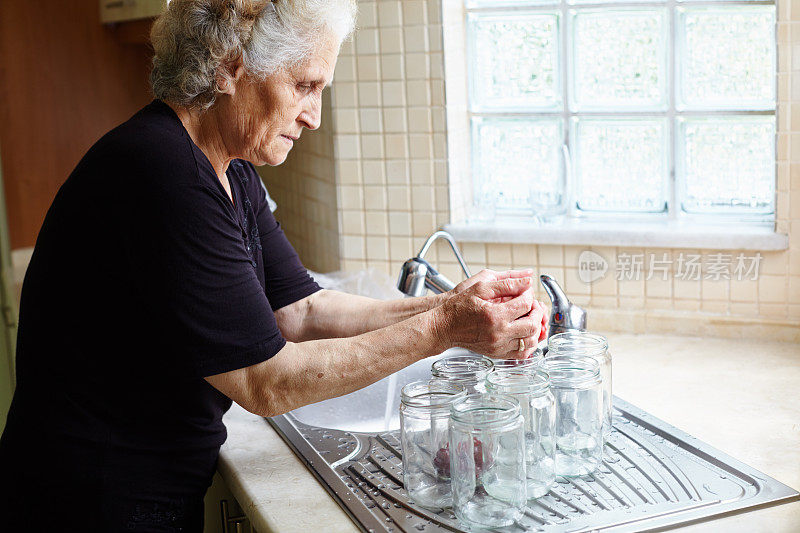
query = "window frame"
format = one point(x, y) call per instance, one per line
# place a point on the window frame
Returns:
point(672, 113)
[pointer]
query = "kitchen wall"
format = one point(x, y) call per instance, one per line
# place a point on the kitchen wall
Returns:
point(389, 141)
point(390, 176)
point(304, 187)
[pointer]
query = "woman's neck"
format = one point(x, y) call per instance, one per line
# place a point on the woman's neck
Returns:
point(203, 128)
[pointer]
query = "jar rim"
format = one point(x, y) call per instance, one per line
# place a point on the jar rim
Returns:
point(485, 410)
point(570, 371)
point(513, 364)
point(518, 381)
point(462, 367)
point(431, 394)
point(582, 342)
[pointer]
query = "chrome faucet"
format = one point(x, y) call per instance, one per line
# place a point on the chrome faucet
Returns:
point(564, 315)
point(417, 275)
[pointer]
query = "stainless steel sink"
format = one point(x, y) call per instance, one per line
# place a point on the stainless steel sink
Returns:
point(653, 477)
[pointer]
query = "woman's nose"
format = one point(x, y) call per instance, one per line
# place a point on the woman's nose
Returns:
point(311, 116)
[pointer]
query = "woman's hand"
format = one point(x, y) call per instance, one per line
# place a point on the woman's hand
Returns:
point(490, 275)
point(545, 319)
point(493, 275)
point(491, 316)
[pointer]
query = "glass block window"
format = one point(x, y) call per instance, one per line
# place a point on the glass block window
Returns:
point(521, 159)
point(619, 58)
point(635, 109)
point(728, 163)
point(603, 147)
point(516, 62)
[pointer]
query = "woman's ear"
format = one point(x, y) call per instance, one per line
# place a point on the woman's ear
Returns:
point(229, 74)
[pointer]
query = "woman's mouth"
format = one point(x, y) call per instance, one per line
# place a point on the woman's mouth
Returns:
point(289, 139)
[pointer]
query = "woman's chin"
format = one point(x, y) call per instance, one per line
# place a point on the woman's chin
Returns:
point(273, 158)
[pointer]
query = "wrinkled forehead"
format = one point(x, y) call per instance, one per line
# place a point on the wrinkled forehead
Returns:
point(320, 63)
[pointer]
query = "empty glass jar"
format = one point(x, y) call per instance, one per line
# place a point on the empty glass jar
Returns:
point(424, 418)
point(468, 370)
point(487, 460)
point(531, 388)
point(577, 388)
point(581, 343)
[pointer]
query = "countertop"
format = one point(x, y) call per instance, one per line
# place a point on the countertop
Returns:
point(742, 397)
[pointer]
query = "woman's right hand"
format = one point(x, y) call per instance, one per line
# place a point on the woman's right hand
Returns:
point(490, 317)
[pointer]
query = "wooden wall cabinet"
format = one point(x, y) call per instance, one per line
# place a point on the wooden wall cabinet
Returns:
point(63, 85)
point(125, 10)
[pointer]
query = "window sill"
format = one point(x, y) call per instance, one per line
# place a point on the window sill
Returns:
point(667, 234)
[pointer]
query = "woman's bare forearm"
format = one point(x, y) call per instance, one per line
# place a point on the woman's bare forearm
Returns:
point(481, 318)
point(308, 372)
point(328, 314)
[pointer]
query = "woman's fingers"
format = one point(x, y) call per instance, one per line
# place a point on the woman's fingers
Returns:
point(483, 275)
point(526, 326)
point(511, 351)
point(545, 318)
point(517, 307)
point(511, 274)
point(504, 287)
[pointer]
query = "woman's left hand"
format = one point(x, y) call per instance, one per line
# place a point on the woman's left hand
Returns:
point(493, 275)
point(545, 318)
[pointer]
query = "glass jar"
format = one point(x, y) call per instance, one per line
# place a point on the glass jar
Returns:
point(487, 460)
point(424, 418)
point(577, 388)
point(531, 388)
point(468, 370)
point(581, 343)
point(529, 364)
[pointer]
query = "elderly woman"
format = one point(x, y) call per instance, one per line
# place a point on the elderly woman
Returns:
point(161, 287)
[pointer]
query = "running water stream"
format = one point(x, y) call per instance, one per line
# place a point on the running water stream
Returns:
point(391, 394)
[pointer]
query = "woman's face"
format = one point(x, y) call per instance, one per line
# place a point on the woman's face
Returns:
point(267, 116)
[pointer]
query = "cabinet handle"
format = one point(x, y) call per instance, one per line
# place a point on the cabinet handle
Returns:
point(227, 521)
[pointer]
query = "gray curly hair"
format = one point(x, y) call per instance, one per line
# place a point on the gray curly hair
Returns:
point(192, 38)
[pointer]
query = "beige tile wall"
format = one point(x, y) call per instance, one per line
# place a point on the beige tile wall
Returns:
point(305, 191)
point(390, 174)
point(390, 134)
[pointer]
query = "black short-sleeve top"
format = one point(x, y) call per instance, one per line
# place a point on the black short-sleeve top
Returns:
point(146, 277)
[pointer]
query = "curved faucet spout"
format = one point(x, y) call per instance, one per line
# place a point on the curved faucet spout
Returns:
point(451, 241)
point(554, 291)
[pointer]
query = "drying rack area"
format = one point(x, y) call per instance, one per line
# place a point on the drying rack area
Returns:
point(653, 476)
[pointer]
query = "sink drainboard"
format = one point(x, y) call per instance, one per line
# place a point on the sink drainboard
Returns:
point(653, 476)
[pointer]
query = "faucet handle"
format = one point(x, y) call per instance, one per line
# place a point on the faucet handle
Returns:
point(564, 314)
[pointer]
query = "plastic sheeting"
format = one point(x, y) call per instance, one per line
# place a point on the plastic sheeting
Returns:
point(369, 282)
